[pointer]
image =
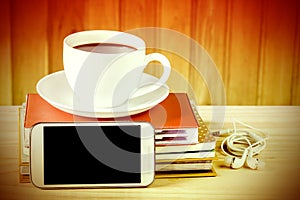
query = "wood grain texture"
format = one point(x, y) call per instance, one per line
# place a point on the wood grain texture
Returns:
point(209, 28)
point(136, 14)
point(100, 15)
point(65, 18)
point(6, 93)
point(279, 37)
point(209, 20)
point(175, 16)
point(254, 44)
point(296, 66)
point(244, 49)
point(29, 46)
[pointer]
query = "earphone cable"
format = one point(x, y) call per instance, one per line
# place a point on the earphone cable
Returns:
point(240, 141)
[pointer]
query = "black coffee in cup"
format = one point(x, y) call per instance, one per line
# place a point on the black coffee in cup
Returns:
point(109, 48)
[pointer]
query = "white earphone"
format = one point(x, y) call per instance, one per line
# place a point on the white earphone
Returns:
point(242, 146)
point(235, 162)
point(246, 160)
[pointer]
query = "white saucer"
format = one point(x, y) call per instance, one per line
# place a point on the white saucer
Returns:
point(55, 89)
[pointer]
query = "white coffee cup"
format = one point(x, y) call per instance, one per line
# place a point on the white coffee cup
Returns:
point(110, 76)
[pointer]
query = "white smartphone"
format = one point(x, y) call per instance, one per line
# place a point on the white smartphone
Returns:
point(91, 155)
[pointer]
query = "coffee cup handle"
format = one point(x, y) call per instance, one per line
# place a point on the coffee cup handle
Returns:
point(163, 79)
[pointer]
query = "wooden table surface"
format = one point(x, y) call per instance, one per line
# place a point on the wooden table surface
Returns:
point(278, 180)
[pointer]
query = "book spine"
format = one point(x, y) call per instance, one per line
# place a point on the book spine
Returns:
point(166, 156)
point(184, 148)
point(182, 167)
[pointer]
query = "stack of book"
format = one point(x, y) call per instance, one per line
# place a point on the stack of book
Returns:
point(184, 147)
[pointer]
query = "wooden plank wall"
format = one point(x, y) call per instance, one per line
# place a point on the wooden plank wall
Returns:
point(255, 44)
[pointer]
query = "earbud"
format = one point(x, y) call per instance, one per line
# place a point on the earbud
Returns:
point(254, 163)
point(228, 160)
point(246, 159)
point(235, 162)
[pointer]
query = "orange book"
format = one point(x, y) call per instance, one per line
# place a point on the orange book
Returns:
point(173, 119)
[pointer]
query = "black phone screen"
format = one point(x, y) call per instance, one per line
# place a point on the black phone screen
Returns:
point(92, 154)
